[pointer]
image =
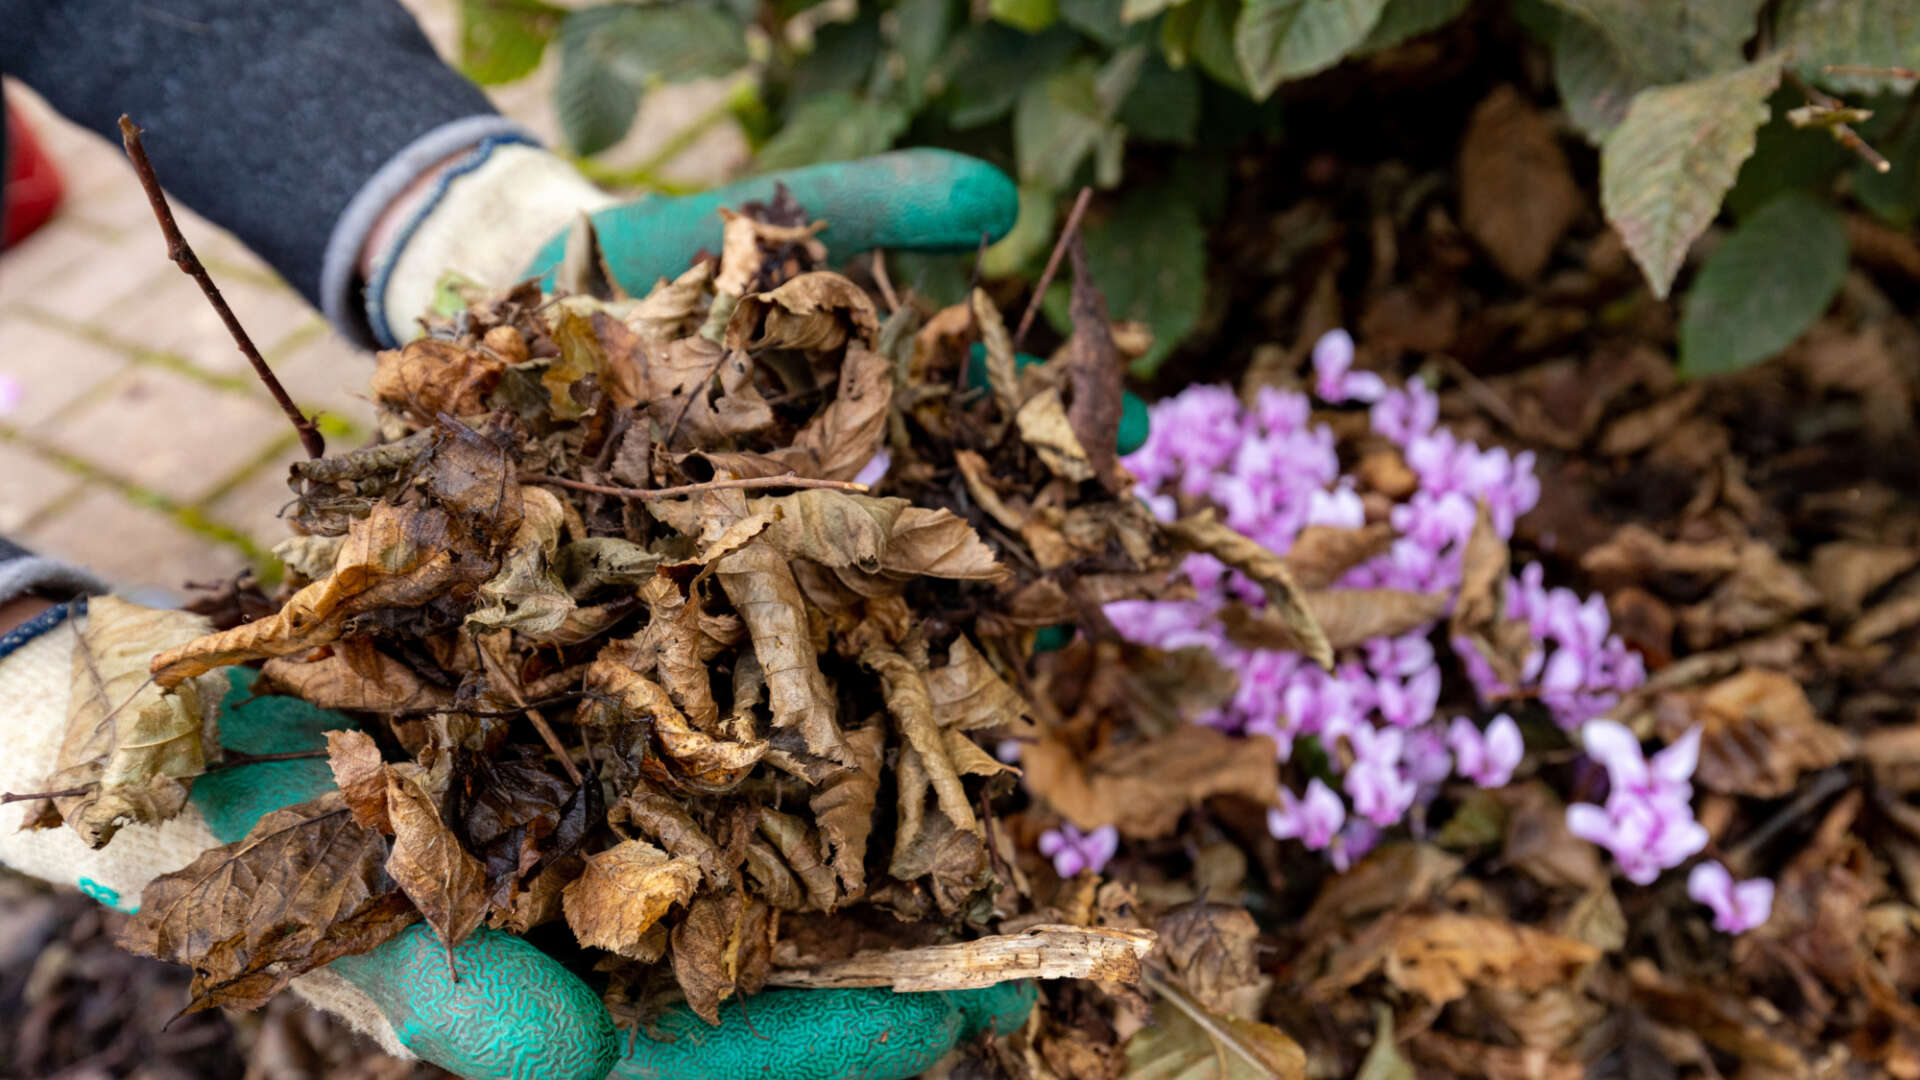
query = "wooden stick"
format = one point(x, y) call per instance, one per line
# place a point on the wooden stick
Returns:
point(885, 282)
point(553, 743)
point(1053, 263)
point(748, 482)
point(189, 263)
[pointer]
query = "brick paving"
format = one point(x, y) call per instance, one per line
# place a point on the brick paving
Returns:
point(143, 448)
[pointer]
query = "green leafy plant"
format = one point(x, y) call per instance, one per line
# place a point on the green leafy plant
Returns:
point(1677, 97)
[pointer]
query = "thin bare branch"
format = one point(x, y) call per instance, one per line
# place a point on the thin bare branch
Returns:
point(1053, 263)
point(787, 480)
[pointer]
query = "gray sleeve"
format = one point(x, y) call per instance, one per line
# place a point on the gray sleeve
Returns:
point(267, 116)
point(21, 571)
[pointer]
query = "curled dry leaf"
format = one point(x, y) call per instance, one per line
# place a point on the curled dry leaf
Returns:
point(1892, 615)
point(673, 309)
point(431, 376)
point(445, 883)
point(623, 891)
point(1321, 554)
point(968, 695)
point(1480, 610)
point(1143, 787)
point(844, 804)
point(356, 676)
point(1517, 194)
point(816, 312)
point(527, 594)
point(935, 543)
point(1759, 733)
point(799, 846)
point(361, 776)
point(304, 888)
point(904, 687)
point(1043, 425)
point(706, 761)
point(1847, 572)
point(832, 528)
point(1762, 592)
point(1344, 617)
point(843, 437)
point(1042, 952)
point(1095, 372)
point(667, 821)
point(134, 746)
point(1003, 370)
point(762, 588)
point(1186, 1040)
point(1211, 949)
point(722, 947)
point(1204, 532)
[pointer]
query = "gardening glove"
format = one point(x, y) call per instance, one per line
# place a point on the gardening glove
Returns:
point(514, 1011)
point(501, 213)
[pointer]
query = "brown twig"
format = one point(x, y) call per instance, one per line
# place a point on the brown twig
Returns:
point(553, 743)
point(1841, 132)
point(1867, 69)
point(881, 278)
point(1053, 263)
point(10, 797)
point(748, 482)
point(189, 263)
point(234, 759)
point(698, 389)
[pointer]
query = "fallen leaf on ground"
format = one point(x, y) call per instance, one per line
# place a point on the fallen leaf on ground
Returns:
point(623, 892)
point(1205, 533)
point(1144, 787)
point(427, 862)
point(1517, 194)
point(1759, 733)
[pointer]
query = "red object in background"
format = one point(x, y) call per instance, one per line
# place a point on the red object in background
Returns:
point(33, 184)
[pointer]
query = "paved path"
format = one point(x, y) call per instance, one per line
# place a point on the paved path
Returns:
point(143, 447)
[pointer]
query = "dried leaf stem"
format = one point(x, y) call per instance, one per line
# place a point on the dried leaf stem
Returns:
point(189, 264)
point(747, 482)
point(1053, 263)
point(233, 759)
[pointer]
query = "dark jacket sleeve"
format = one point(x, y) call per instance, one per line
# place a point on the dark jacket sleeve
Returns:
point(266, 116)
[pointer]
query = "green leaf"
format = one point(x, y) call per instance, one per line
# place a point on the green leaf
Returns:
point(920, 33)
point(1098, 19)
point(1164, 105)
point(1032, 16)
point(833, 127)
point(843, 57)
point(1664, 170)
point(1133, 11)
point(1384, 1062)
point(1069, 115)
point(1202, 31)
point(1030, 238)
point(1277, 40)
point(990, 65)
point(610, 55)
point(1762, 287)
point(1594, 82)
point(1785, 158)
point(1149, 259)
point(1670, 41)
point(503, 40)
point(1857, 33)
point(1404, 19)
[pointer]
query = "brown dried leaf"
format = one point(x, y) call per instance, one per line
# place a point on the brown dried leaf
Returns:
point(1440, 956)
point(832, 528)
point(1892, 615)
point(721, 948)
point(1537, 841)
point(135, 746)
point(1480, 609)
point(1095, 372)
point(1044, 426)
point(572, 379)
point(673, 310)
point(361, 777)
point(904, 687)
point(304, 888)
point(841, 438)
point(801, 849)
point(448, 885)
point(1145, 786)
point(1517, 193)
point(1042, 952)
point(395, 557)
point(968, 695)
point(680, 640)
point(745, 245)
point(626, 696)
point(1391, 878)
point(623, 892)
point(1763, 592)
point(431, 376)
point(1322, 553)
point(1204, 532)
point(1003, 373)
point(1641, 429)
point(935, 543)
point(979, 480)
point(844, 804)
point(716, 414)
point(1759, 733)
point(1636, 554)
point(1212, 950)
point(1345, 618)
point(1847, 572)
point(1187, 1041)
point(817, 312)
point(355, 676)
point(527, 595)
point(667, 821)
point(762, 588)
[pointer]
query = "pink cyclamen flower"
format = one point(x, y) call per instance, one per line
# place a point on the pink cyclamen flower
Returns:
point(1312, 820)
point(1073, 851)
point(1334, 379)
point(1669, 775)
point(1488, 757)
point(1648, 821)
point(1737, 906)
point(12, 393)
point(1381, 790)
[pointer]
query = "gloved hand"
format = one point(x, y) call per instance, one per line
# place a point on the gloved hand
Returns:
point(515, 1012)
point(501, 213)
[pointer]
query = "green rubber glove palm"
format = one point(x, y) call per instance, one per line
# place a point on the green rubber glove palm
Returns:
point(515, 1012)
point(907, 200)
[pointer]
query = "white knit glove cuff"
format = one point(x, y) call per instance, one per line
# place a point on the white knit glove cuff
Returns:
point(486, 218)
